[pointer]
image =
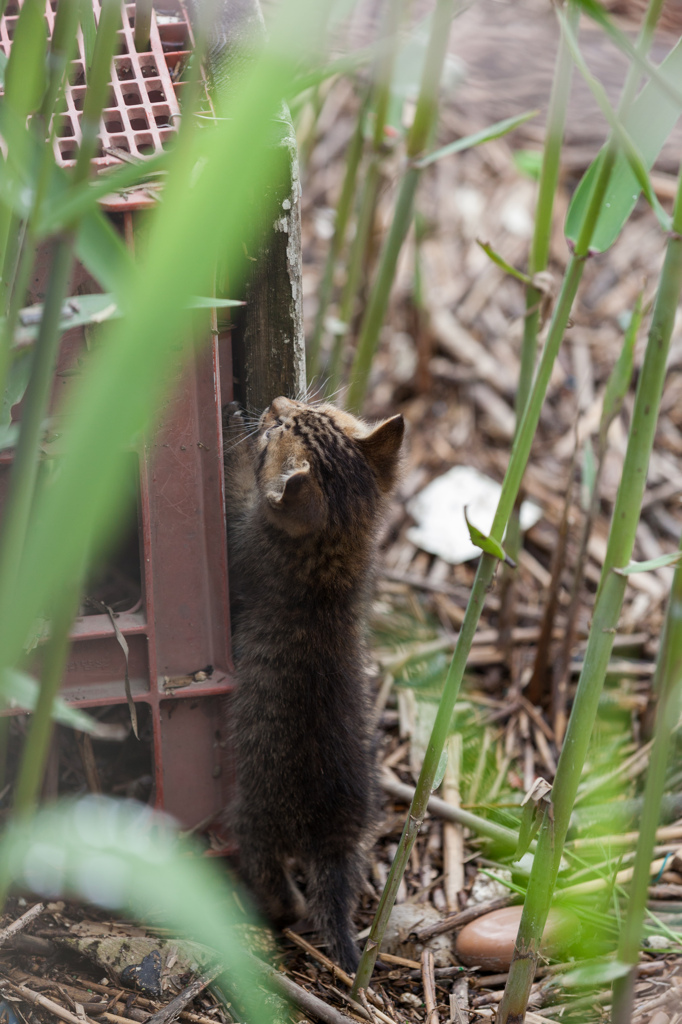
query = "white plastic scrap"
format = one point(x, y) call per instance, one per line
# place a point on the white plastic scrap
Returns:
point(438, 510)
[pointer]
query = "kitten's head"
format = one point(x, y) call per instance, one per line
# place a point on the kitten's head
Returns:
point(318, 467)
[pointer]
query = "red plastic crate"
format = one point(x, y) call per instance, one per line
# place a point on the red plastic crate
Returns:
point(181, 626)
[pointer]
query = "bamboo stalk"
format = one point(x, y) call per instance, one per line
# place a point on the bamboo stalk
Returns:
point(359, 252)
point(618, 384)
point(542, 233)
point(143, 21)
point(24, 471)
point(356, 262)
point(482, 581)
point(16, 514)
point(486, 569)
point(668, 713)
point(37, 744)
point(420, 132)
point(605, 621)
point(500, 834)
point(343, 210)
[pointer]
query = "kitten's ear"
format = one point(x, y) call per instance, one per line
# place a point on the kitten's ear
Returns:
point(381, 448)
point(295, 486)
point(298, 505)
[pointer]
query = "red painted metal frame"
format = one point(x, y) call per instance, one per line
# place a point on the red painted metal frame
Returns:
point(182, 625)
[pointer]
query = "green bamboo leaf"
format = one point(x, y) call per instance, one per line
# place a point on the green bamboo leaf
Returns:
point(9, 435)
point(79, 310)
point(632, 568)
point(209, 302)
point(19, 690)
point(488, 544)
point(15, 386)
point(528, 162)
point(628, 146)
point(3, 67)
point(621, 376)
point(89, 30)
point(596, 974)
point(528, 828)
point(17, 173)
point(63, 45)
point(345, 65)
point(66, 204)
point(97, 77)
point(76, 311)
point(495, 131)
point(669, 87)
point(501, 262)
point(648, 123)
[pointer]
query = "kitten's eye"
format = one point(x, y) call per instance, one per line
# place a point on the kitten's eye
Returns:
point(269, 431)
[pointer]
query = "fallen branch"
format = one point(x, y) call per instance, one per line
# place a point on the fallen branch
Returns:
point(458, 920)
point(105, 1012)
point(174, 1008)
point(302, 943)
point(17, 926)
point(429, 984)
point(306, 1001)
point(505, 836)
point(47, 1004)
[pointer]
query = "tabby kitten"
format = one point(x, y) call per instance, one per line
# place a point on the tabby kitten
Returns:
point(305, 499)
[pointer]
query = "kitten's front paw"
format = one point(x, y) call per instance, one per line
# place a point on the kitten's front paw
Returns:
point(233, 415)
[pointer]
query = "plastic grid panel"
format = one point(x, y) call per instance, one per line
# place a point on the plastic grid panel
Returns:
point(142, 108)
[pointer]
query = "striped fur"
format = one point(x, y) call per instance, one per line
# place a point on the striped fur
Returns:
point(306, 495)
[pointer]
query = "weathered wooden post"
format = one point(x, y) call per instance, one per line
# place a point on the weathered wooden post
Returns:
point(268, 347)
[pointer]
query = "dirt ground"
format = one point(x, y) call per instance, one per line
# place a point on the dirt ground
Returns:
point(449, 362)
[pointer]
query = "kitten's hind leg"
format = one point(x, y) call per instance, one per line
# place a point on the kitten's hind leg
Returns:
point(276, 895)
point(333, 885)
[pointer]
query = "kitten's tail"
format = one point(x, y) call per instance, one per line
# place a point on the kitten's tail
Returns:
point(333, 887)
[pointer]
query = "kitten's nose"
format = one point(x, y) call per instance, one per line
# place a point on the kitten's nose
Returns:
point(280, 406)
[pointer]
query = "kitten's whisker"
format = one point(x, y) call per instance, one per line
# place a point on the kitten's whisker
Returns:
point(330, 398)
point(230, 444)
point(314, 389)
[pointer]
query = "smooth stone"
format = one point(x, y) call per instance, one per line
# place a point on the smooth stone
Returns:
point(489, 940)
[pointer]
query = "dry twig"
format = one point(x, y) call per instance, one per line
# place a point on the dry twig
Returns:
point(429, 982)
point(172, 1010)
point(21, 922)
